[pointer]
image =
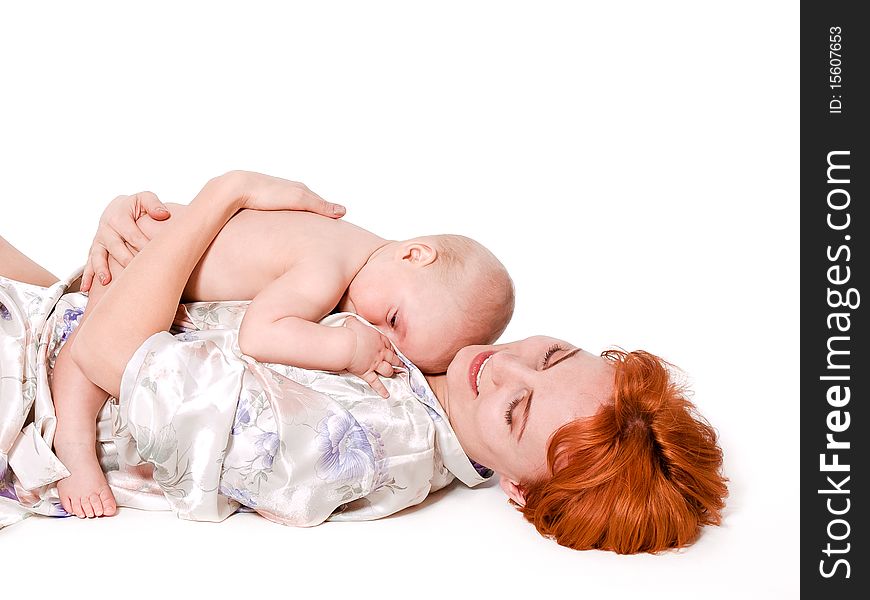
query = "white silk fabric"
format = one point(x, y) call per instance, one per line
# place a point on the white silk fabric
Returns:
point(204, 430)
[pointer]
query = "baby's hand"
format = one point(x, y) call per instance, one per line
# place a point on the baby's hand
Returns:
point(373, 356)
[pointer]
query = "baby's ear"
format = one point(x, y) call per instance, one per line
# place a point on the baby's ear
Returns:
point(419, 254)
point(513, 489)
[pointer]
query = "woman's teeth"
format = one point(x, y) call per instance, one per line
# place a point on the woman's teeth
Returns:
point(480, 372)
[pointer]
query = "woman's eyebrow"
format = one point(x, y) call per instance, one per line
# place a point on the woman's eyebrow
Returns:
point(561, 358)
point(528, 408)
point(525, 417)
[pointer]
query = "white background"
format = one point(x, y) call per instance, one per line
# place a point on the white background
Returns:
point(635, 166)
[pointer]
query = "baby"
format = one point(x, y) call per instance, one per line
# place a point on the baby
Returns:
point(429, 295)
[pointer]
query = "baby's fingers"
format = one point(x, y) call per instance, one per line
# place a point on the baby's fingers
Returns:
point(376, 384)
point(386, 369)
point(392, 358)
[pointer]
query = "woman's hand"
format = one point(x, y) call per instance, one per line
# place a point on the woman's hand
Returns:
point(156, 279)
point(118, 234)
point(263, 192)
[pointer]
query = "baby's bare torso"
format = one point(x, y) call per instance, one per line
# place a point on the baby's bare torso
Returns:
point(257, 247)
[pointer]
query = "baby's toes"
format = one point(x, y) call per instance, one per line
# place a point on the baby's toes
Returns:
point(96, 503)
point(86, 506)
point(108, 502)
point(76, 505)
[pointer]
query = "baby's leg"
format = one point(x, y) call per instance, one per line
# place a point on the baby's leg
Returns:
point(77, 402)
point(71, 439)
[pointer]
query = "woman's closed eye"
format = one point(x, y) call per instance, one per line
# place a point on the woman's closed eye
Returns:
point(508, 414)
point(545, 362)
point(549, 354)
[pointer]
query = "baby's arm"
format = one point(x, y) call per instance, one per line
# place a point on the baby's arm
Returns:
point(279, 327)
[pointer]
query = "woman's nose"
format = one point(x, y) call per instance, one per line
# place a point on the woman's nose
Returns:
point(507, 368)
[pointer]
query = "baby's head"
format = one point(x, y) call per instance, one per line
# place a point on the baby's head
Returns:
point(433, 295)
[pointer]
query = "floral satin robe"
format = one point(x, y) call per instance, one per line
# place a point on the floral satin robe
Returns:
point(204, 430)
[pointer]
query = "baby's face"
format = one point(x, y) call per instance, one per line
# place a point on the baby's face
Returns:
point(416, 311)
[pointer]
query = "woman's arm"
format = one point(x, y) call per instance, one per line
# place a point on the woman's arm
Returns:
point(143, 300)
point(121, 236)
point(17, 266)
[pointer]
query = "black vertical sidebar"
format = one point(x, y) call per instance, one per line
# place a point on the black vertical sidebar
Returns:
point(835, 301)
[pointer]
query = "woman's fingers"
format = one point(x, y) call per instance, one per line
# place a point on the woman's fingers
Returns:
point(87, 278)
point(153, 206)
point(99, 263)
point(128, 231)
point(119, 235)
point(119, 251)
point(314, 203)
point(264, 192)
point(311, 202)
point(143, 203)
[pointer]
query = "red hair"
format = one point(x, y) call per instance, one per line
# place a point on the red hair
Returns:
point(641, 475)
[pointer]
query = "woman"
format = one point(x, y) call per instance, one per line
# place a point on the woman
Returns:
point(596, 451)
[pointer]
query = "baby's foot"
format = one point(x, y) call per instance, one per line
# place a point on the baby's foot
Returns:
point(85, 492)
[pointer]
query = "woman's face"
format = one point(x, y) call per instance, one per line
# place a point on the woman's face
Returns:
point(505, 401)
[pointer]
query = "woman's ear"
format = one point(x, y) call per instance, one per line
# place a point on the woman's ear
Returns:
point(513, 489)
point(418, 253)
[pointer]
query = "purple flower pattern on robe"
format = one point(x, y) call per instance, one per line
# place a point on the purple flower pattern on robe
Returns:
point(4, 313)
point(56, 509)
point(243, 416)
point(7, 490)
point(243, 497)
point(267, 446)
point(420, 389)
point(345, 451)
point(71, 318)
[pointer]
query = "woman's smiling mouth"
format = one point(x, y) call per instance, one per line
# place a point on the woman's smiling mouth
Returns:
point(476, 368)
